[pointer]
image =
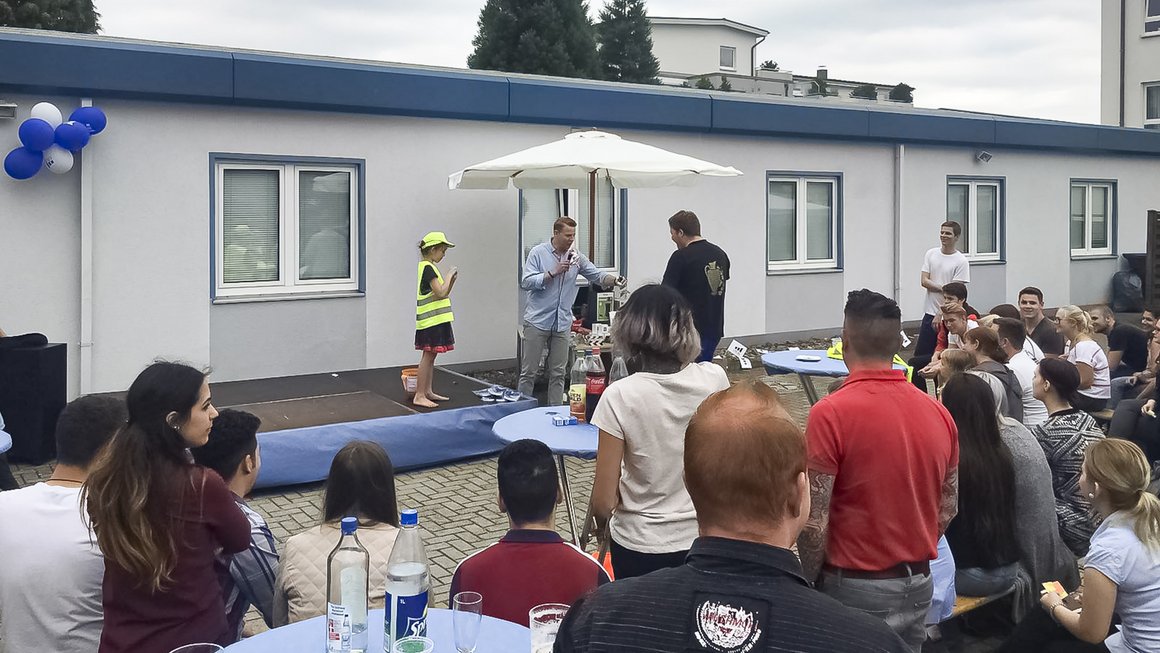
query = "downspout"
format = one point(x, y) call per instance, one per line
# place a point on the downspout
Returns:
point(1123, 31)
point(85, 366)
point(899, 161)
point(753, 57)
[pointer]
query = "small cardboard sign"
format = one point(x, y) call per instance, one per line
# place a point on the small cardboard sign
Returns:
point(737, 349)
point(746, 364)
point(905, 340)
point(601, 330)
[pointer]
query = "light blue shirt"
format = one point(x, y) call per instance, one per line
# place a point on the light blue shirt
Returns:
point(1117, 553)
point(550, 299)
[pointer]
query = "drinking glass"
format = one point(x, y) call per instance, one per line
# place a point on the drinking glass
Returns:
point(197, 648)
point(468, 612)
point(545, 621)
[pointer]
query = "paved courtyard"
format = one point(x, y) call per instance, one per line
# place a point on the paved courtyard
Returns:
point(458, 511)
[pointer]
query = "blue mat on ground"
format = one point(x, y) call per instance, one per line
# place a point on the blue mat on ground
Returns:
point(303, 455)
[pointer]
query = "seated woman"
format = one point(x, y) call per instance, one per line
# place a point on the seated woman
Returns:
point(160, 520)
point(982, 535)
point(639, 490)
point(1122, 572)
point(361, 483)
point(1064, 437)
point(1095, 387)
point(983, 343)
point(954, 361)
point(1134, 419)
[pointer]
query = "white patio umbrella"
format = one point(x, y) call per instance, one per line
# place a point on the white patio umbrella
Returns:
point(580, 157)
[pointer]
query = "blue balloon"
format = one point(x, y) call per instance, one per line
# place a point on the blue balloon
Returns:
point(23, 163)
point(36, 134)
point(91, 117)
point(72, 136)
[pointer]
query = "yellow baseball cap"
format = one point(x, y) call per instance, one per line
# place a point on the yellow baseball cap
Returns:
point(435, 238)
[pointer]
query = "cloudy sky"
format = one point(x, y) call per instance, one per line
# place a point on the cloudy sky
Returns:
point(1024, 57)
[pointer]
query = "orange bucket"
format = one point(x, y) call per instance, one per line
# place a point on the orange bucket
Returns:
point(410, 379)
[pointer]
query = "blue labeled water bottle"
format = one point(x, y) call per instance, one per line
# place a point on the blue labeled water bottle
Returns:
point(408, 582)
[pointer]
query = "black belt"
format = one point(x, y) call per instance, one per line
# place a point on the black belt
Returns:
point(900, 570)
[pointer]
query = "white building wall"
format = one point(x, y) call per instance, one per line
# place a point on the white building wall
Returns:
point(696, 49)
point(1141, 54)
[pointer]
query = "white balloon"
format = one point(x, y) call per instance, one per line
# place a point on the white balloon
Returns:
point(58, 160)
point(47, 112)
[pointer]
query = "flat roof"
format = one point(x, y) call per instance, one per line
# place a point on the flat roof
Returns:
point(105, 67)
point(716, 22)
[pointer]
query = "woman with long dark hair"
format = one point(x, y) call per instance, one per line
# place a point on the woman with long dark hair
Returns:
point(361, 483)
point(982, 535)
point(159, 519)
point(1122, 570)
point(1065, 436)
point(639, 490)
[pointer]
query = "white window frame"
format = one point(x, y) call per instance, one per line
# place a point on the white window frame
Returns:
point(800, 224)
point(288, 283)
point(578, 210)
point(1087, 249)
point(721, 57)
point(972, 244)
point(1151, 123)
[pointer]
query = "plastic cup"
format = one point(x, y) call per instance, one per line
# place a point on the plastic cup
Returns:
point(414, 644)
point(544, 621)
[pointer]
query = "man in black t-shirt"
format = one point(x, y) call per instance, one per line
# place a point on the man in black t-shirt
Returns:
point(698, 270)
point(1127, 345)
point(1039, 328)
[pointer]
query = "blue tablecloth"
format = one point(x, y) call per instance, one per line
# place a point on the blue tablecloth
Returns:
point(536, 424)
point(495, 636)
point(786, 362)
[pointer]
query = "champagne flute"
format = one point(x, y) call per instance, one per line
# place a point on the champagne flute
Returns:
point(467, 613)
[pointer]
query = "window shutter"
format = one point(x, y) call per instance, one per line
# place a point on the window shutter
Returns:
point(250, 226)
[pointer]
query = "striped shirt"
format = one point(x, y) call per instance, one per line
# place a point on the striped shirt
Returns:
point(730, 596)
point(1065, 436)
point(252, 573)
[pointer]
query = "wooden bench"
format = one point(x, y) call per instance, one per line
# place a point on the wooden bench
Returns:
point(964, 604)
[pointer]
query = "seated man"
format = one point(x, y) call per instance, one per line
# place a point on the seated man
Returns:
point(232, 452)
point(953, 294)
point(1127, 345)
point(51, 570)
point(741, 588)
point(955, 323)
point(532, 564)
point(1012, 338)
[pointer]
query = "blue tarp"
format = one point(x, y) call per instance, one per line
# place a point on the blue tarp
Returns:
point(303, 455)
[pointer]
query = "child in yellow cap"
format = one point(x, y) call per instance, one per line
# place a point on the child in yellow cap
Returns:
point(433, 316)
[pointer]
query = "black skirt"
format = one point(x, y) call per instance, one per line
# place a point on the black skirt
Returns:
point(438, 338)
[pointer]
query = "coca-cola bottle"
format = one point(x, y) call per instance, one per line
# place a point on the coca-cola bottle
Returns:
point(595, 382)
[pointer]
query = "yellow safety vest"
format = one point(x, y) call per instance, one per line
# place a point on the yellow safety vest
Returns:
point(429, 309)
point(836, 353)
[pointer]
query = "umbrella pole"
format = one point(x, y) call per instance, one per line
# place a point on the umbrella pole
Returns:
point(592, 215)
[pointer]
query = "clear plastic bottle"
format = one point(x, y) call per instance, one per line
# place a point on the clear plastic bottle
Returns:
point(408, 581)
point(594, 382)
point(577, 383)
point(619, 370)
point(347, 589)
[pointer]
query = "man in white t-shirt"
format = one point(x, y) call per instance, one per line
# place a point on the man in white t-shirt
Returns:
point(940, 266)
point(51, 569)
point(1012, 338)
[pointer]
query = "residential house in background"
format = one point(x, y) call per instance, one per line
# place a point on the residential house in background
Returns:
point(1130, 63)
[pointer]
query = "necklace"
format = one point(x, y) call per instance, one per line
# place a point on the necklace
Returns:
point(64, 480)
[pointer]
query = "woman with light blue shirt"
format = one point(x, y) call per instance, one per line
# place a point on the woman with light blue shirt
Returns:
point(1122, 572)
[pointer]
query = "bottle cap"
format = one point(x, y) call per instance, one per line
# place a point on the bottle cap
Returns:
point(409, 517)
point(349, 525)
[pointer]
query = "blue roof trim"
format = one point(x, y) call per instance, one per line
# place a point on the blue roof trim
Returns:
point(68, 64)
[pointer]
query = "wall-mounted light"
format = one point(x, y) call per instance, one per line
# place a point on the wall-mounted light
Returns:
point(983, 156)
point(7, 110)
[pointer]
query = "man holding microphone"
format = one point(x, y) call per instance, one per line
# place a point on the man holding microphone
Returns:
point(549, 278)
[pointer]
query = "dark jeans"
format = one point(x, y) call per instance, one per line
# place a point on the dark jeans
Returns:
point(1038, 633)
point(1089, 404)
point(627, 563)
point(7, 481)
point(708, 348)
point(923, 350)
point(1128, 423)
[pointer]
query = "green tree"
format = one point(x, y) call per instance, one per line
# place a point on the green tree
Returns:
point(57, 15)
point(540, 37)
point(902, 93)
point(725, 85)
point(626, 48)
point(768, 64)
point(704, 83)
point(865, 91)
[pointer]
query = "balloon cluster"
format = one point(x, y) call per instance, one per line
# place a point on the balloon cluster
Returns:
point(48, 141)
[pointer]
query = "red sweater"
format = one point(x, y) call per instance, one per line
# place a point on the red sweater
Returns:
point(189, 609)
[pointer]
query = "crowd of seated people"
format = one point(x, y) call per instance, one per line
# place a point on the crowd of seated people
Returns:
point(714, 503)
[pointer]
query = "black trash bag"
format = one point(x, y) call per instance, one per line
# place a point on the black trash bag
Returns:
point(1127, 292)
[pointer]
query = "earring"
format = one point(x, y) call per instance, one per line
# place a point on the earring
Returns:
point(1091, 495)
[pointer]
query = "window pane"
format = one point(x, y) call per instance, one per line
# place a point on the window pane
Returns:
point(324, 225)
point(250, 217)
point(602, 254)
point(987, 219)
point(781, 230)
point(1153, 8)
point(819, 221)
point(540, 207)
point(728, 57)
point(1152, 100)
point(1078, 211)
point(957, 210)
point(1099, 217)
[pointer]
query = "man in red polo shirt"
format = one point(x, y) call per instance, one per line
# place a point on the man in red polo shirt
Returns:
point(532, 564)
point(883, 469)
